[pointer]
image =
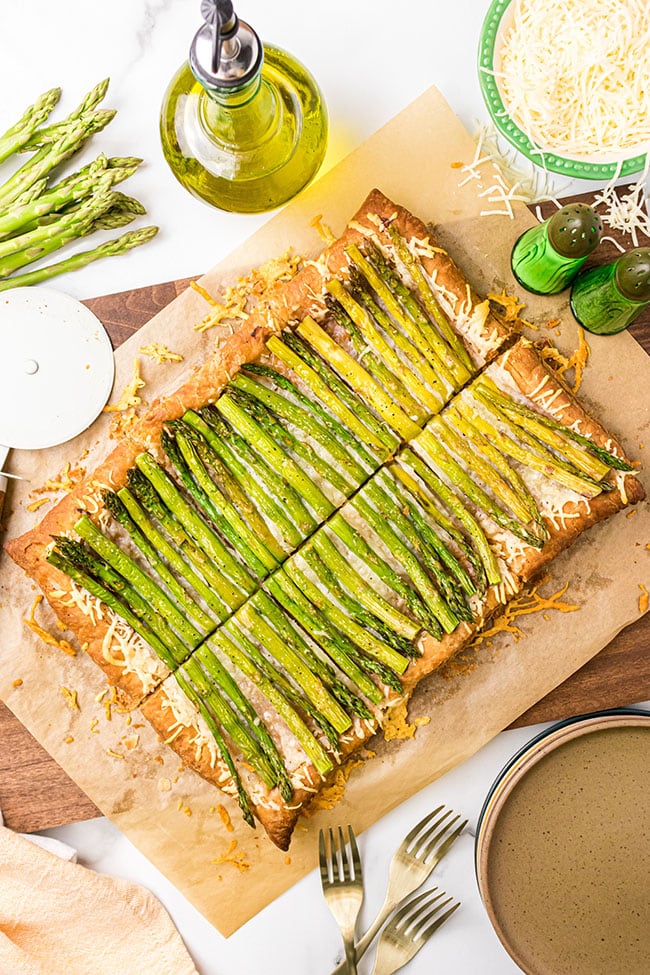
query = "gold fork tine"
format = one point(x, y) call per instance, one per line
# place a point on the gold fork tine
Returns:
point(435, 830)
point(427, 932)
point(410, 928)
point(408, 839)
point(322, 859)
point(421, 849)
point(425, 899)
point(356, 859)
point(444, 847)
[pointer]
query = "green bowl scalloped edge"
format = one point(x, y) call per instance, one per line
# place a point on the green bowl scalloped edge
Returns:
point(511, 131)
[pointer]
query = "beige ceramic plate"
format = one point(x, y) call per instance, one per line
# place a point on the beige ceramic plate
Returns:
point(563, 849)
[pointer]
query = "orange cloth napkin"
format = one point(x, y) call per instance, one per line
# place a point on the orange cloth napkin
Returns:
point(59, 918)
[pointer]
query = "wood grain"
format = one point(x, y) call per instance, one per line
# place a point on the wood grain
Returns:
point(35, 792)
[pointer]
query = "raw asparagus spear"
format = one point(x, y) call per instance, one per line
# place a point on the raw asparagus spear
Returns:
point(111, 248)
point(16, 136)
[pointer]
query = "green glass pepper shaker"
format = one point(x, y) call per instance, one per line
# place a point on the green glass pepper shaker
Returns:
point(605, 300)
point(546, 258)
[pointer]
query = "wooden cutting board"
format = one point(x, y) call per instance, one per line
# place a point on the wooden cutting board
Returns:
point(35, 792)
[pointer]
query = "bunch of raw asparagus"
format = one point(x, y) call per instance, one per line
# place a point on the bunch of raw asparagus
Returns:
point(301, 533)
point(38, 216)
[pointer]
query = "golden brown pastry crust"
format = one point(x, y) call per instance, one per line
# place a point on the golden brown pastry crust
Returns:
point(30, 550)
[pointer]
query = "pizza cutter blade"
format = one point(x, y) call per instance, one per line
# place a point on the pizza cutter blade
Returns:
point(56, 369)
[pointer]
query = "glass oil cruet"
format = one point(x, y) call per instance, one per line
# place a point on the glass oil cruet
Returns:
point(243, 125)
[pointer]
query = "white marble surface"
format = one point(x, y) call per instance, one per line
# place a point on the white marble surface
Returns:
point(369, 67)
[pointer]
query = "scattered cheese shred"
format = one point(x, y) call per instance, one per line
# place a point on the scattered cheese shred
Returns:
point(529, 601)
point(160, 352)
point(577, 360)
point(323, 229)
point(65, 480)
point(397, 726)
point(509, 308)
point(93, 726)
point(332, 793)
point(575, 77)
point(224, 816)
point(643, 599)
point(130, 397)
point(238, 300)
point(627, 212)
point(35, 505)
point(114, 754)
point(498, 177)
point(71, 698)
point(69, 740)
point(233, 858)
point(18, 682)
point(43, 634)
point(195, 286)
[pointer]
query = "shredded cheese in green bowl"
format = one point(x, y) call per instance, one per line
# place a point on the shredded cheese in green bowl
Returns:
point(567, 82)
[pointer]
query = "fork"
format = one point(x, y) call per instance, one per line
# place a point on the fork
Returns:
point(410, 929)
point(420, 851)
point(342, 882)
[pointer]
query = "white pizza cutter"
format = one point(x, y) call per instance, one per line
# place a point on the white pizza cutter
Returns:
point(56, 370)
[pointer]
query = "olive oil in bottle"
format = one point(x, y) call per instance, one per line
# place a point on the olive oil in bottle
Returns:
point(243, 125)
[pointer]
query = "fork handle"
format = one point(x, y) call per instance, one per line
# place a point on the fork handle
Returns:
point(351, 955)
point(364, 943)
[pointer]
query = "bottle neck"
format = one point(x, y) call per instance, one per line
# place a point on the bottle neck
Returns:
point(242, 117)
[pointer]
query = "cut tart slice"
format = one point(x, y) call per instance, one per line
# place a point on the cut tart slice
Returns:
point(534, 467)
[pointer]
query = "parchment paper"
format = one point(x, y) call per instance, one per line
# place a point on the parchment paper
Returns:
point(146, 794)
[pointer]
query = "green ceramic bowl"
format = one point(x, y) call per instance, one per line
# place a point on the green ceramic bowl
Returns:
point(496, 22)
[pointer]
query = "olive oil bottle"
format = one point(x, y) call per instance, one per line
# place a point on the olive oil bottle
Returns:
point(243, 125)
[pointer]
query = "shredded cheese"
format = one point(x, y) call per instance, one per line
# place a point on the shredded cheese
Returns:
point(577, 361)
point(530, 601)
point(323, 229)
point(43, 634)
point(397, 725)
point(233, 858)
point(496, 165)
point(65, 480)
point(71, 698)
point(626, 212)
point(239, 299)
point(130, 397)
point(576, 76)
point(224, 816)
point(35, 505)
point(644, 597)
point(160, 352)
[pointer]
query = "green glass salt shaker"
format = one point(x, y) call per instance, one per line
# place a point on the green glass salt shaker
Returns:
point(546, 258)
point(605, 300)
